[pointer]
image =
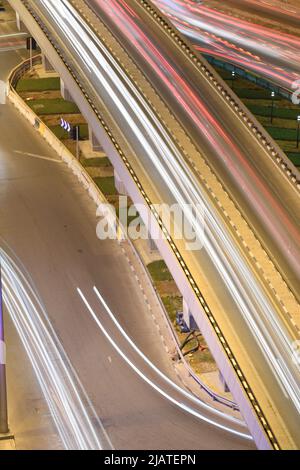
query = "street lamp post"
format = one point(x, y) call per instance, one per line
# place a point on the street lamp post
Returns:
point(77, 142)
point(298, 131)
point(272, 108)
point(3, 392)
point(232, 78)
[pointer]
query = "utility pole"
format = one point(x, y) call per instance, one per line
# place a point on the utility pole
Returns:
point(3, 393)
point(77, 142)
point(31, 54)
point(298, 131)
point(31, 46)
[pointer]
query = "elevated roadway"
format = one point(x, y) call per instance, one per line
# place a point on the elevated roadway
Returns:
point(238, 312)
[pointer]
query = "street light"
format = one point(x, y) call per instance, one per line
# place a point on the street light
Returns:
point(3, 393)
point(232, 78)
point(272, 108)
point(298, 131)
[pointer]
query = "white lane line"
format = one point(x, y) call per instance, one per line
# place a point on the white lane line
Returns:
point(11, 35)
point(34, 155)
point(149, 382)
point(12, 48)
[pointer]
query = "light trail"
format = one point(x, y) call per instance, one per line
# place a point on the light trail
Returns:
point(270, 53)
point(256, 309)
point(153, 385)
point(73, 414)
point(222, 144)
point(163, 376)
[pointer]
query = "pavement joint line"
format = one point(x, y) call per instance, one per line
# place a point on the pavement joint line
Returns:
point(40, 157)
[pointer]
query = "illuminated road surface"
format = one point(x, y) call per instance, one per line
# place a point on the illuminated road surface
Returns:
point(272, 9)
point(265, 51)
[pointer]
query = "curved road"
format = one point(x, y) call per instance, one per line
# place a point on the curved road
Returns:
point(49, 223)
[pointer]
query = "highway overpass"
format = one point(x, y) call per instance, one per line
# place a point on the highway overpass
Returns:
point(244, 324)
point(48, 229)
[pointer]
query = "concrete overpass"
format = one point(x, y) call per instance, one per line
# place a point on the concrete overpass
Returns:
point(251, 380)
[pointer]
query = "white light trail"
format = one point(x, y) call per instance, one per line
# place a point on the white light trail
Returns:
point(73, 413)
point(158, 389)
point(163, 376)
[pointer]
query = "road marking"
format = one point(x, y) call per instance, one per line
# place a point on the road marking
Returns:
point(109, 359)
point(19, 152)
point(11, 35)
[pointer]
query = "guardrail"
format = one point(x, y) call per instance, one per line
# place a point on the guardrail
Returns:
point(99, 198)
point(21, 70)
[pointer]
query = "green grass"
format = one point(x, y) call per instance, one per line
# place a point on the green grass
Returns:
point(98, 162)
point(172, 305)
point(159, 271)
point(281, 133)
point(294, 157)
point(258, 100)
point(106, 185)
point(38, 84)
point(282, 113)
point(282, 123)
point(63, 135)
point(254, 94)
point(53, 106)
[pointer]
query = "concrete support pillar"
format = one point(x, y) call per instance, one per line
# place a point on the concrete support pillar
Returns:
point(151, 244)
point(96, 146)
point(47, 64)
point(119, 185)
point(223, 383)
point(188, 316)
point(65, 92)
point(186, 312)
